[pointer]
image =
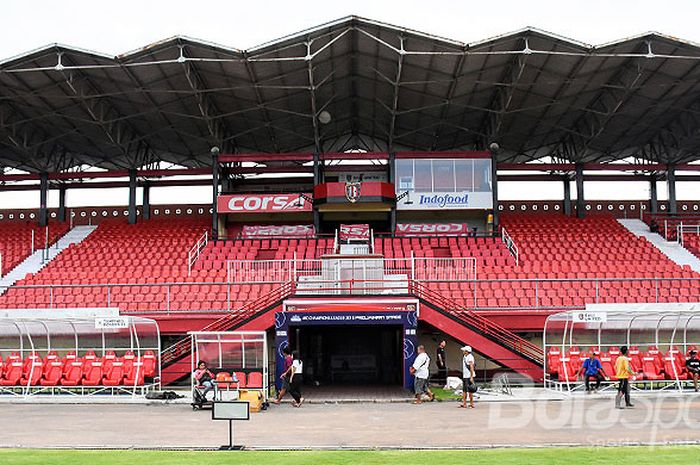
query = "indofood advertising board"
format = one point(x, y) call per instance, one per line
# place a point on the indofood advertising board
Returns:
point(446, 201)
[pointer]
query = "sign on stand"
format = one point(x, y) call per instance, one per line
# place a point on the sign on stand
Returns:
point(231, 411)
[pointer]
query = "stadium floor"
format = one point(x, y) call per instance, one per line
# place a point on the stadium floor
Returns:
point(586, 421)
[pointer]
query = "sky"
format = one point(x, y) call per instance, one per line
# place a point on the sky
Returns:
point(116, 27)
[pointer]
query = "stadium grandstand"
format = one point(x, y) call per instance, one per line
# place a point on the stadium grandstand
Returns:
point(354, 170)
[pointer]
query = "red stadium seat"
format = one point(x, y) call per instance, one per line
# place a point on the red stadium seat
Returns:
point(53, 372)
point(566, 372)
point(108, 359)
point(114, 374)
point(134, 376)
point(12, 375)
point(255, 380)
point(673, 368)
point(650, 369)
point(72, 374)
point(92, 373)
point(607, 363)
point(149, 364)
point(241, 380)
point(32, 371)
point(553, 357)
point(223, 379)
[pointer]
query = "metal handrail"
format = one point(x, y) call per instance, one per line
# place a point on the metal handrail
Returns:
point(181, 348)
point(510, 245)
point(681, 229)
point(196, 250)
point(538, 285)
point(484, 325)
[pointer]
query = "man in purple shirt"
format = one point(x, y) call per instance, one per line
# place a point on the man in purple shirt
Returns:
point(285, 376)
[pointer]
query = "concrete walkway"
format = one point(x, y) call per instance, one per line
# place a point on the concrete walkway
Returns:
point(672, 250)
point(587, 420)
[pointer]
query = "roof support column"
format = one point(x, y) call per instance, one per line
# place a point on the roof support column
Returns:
point(567, 195)
point(391, 175)
point(494, 190)
point(132, 196)
point(215, 192)
point(43, 197)
point(671, 183)
point(580, 200)
point(146, 201)
point(62, 203)
point(653, 196)
point(318, 179)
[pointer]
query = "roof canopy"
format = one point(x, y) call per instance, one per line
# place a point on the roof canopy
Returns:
point(385, 88)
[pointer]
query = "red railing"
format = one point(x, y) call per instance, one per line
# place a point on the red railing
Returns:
point(483, 325)
point(183, 347)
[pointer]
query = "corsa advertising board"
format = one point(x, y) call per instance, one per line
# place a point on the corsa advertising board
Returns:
point(263, 203)
point(285, 230)
point(354, 232)
point(431, 229)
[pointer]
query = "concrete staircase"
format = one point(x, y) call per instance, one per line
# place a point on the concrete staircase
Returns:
point(673, 250)
point(38, 260)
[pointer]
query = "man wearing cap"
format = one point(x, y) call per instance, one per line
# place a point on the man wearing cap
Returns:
point(592, 368)
point(693, 367)
point(468, 385)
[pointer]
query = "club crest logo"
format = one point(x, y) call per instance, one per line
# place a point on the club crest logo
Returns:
point(352, 191)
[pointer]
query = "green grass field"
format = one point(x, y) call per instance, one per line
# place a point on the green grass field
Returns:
point(676, 455)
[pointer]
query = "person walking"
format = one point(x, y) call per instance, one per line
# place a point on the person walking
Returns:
point(287, 352)
point(441, 363)
point(420, 371)
point(296, 379)
point(468, 374)
point(693, 367)
point(592, 368)
point(623, 372)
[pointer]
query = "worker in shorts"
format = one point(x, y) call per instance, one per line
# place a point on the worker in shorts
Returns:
point(420, 371)
point(468, 384)
point(287, 352)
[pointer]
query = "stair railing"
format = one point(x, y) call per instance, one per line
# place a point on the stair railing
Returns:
point(510, 245)
point(485, 326)
point(181, 348)
point(196, 251)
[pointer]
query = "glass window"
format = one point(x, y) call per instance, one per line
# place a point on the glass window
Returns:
point(404, 175)
point(482, 175)
point(464, 175)
point(443, 176)
point(424, 176)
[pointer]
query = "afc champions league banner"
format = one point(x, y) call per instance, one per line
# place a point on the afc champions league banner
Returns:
point(397, 313)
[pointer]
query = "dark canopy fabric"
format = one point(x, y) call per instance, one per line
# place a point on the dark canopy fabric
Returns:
point(353, 84)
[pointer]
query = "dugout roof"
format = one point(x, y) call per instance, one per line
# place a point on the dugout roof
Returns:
point(540, 96)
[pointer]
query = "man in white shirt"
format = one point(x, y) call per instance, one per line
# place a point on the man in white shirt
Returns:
point(295, 379)
point(468, 385)
point(420, 370)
